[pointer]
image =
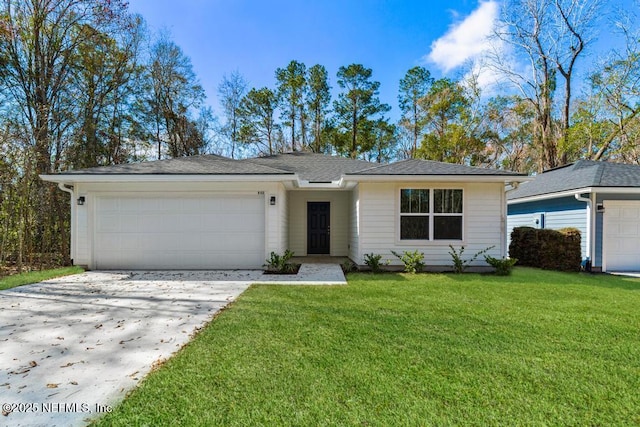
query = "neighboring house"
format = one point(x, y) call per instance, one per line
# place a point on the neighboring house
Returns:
point(600, 199)
point(210, 212)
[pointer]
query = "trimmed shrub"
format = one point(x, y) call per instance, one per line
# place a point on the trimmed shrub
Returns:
point(524, 246)
point(547, 249)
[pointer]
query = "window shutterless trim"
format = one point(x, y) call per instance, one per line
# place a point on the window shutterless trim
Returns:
point(431, 215)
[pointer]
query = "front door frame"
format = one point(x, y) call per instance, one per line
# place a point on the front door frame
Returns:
point(325, 248)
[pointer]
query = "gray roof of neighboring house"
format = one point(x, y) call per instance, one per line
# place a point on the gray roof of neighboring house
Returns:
point(194, 165)
point(428, 167)
point(581, 174)
point(312, 167)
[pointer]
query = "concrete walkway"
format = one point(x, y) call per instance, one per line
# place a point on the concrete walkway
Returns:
point(72, 347)
point(635, 274)
point(309, 274)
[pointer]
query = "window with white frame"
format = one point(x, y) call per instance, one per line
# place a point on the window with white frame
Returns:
point(430, 214)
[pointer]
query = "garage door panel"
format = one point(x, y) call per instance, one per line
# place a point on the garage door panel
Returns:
point(173, 232)
point(108, 224)
point(111, 242)
point(240, 243)
point(621, 235)
point(191, 223)
point(625, 246)
point(626, 229)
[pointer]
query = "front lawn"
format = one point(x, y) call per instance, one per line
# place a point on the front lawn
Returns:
point(535, 348)
point(14, 280)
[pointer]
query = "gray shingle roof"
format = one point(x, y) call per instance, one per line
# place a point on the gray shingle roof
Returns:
point(581, 174)
point(308, 166)
point(195, 165)
point(428, 167)
point(312, 167)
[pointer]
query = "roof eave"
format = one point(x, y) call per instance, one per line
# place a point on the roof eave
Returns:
point(121, 178)
point(568, 193)
point(439, 178)
point(547, 196)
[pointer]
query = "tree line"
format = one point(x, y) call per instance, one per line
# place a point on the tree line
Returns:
point(84, 83)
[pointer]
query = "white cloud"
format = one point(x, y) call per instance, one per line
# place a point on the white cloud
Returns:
point(466, 40)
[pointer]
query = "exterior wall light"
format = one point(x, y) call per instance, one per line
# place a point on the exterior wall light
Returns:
point(272, 200)
point(81, 200)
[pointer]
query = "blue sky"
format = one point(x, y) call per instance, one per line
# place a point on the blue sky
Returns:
point(256, 37)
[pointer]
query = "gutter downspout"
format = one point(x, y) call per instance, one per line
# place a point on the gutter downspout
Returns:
point(503, 223)
point(589, 245)
point(72, 247)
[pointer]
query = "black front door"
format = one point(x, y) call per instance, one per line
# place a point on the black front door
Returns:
point(318, 214)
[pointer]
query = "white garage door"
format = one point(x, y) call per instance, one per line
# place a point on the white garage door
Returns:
point(179, 232)
point(621, 235)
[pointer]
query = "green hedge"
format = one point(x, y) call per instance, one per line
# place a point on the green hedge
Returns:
point(547, 249)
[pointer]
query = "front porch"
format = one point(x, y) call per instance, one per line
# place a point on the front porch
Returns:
point(319, 225)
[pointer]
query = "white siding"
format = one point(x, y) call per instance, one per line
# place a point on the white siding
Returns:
point(83, 229)
point(484, 223)
point(277, 218)
point(379, 219)
point(339, 220)
point(354, 227)
point(283, 214)
point(80, 233)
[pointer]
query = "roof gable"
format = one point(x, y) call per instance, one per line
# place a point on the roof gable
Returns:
point(313, 167)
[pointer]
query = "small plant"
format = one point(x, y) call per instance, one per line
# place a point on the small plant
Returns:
point(413, 261)
point(348, 266)
point(280, 263)
point(503, 266)
point(460, 265)
point(373, 262)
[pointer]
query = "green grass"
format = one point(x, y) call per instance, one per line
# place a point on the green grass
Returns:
point(534, 348)
point(15, 280)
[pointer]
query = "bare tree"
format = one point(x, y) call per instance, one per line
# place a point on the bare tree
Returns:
point(546, 37)
point(574, 30)
point(39, 53)
point(231, 90)
point(40, 44)
point(616, 93)
point(175, 94)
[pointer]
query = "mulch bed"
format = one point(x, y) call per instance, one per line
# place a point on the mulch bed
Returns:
point(292, 272)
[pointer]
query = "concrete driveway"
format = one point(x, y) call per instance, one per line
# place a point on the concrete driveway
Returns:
point(72, 347)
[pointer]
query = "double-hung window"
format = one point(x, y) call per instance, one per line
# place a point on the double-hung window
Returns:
point(431, 214)
point(414, 214)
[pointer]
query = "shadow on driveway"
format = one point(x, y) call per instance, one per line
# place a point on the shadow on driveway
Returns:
point(71, 347)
